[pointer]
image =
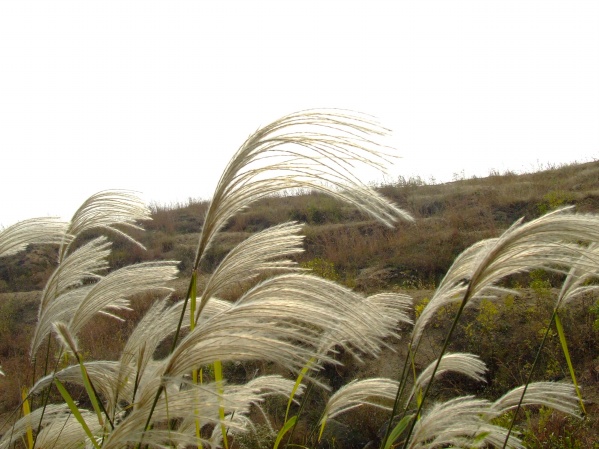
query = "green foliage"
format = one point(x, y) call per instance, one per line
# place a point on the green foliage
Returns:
point(320, 209)
point(418, 308)
point(485, 323)
point(322, 268)
point(554, 199)
point(540, 284)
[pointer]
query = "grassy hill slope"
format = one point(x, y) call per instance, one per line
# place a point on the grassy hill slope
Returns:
point(449, 217)
point(344, 245)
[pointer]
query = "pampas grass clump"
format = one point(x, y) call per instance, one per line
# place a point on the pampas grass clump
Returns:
point(287, 317)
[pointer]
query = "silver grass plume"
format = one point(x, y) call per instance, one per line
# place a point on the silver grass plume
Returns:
point(556, 241)
point(375, 392)
point(81, 265)
point(261, 253)
point(190, 401)
point(312, 149)
point(109, 210)
point(385, 311)
point(459, 422)
point(576, 283)
point(556, 395)
point(66, 339)
point(53, 414)
point(104, 374)
point(109, 295)
point(183, 401)
point(111, 292)
point(381, 392)
point(319, 307)
point(64, 289)
point(60, 309)
point(16, 237)
point(253, 393)
point(283, 319)
point(242, 421)
point(466, 364)
point(467, 422)
point(66, 432)
point(137, 357)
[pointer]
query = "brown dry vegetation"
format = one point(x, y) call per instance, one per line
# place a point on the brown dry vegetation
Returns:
point(449, 218)
point(343, 244)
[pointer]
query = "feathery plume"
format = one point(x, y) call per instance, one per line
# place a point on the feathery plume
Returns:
point(376, 392)
point(53, 413)
point(551, 242)
point(16, 237)
point(560, 396)
point(111, 292)
point(310, 149)
point(66, 432)
point(109, 210)
point(78, 306)
point(103, 373)
point(458, 422)
point(85, 263)
point(467, 364)
point(574, 285)
point(260, 253)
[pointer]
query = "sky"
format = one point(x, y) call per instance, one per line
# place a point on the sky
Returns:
point(156, 96)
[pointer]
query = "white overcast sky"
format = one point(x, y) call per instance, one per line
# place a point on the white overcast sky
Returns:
point(155, 96)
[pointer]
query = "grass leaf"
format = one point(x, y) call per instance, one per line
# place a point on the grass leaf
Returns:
point(398, 430)
point(75, 411)
point(564, 343)
point(286, 428)
point(27, 412)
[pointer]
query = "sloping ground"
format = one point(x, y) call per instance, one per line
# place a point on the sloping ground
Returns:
point(449, 217)
point(368, 257)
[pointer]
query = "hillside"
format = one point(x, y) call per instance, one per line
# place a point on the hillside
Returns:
point(448, 218)
point(344, 245)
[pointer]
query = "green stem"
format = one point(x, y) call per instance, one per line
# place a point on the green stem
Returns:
point(529, 378)
point(443, 350)
point(400, 390)
point(299, 412)
point(46, 397)
point(147, 425)
point(172, 349)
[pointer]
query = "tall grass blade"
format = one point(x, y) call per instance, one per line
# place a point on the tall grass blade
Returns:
point(26, 413)
point(397, 431)
point(91, 393)
point(192, 300)
point(286, 428)
point(564, 343)
point(75, 411)
point(297, 384)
